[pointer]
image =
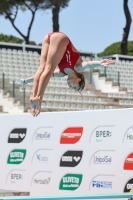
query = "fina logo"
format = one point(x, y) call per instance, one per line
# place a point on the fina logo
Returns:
point(42, 136)
point(17, 135)
point(102, 184)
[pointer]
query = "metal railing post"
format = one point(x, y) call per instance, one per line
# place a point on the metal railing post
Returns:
point(119, 78)
point(105, 71)
point(3, 81)
point(90, 76)
point(13, 89)
point(24, 97)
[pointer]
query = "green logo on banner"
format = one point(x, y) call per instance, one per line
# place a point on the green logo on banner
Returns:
point(16, 156)
point(70, 182)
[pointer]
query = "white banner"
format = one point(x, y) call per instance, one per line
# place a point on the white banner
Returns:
point(67, 153)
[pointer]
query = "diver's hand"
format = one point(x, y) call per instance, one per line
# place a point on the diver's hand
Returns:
point(106, 62)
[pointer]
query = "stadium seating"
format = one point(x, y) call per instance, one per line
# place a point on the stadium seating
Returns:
point(125, 69)
point(17, 64)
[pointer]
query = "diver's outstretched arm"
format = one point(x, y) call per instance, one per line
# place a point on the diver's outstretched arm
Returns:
point(28, 80)
point(92, 64)
point(56, 74)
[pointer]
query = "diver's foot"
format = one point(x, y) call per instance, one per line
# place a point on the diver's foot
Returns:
point(35, 104)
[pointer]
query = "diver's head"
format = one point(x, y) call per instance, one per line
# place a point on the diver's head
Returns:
point(76, 81)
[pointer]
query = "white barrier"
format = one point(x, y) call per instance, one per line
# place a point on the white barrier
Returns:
point(91, 196)
point(67, 153)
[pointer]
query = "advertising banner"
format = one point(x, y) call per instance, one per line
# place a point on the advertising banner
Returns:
point(67, 153)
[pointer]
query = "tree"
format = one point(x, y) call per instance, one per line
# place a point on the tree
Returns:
point(13, 39)
point(9, 9)
point(57, 5)
point(126, 29)
point(10, 38)
point(115, 49)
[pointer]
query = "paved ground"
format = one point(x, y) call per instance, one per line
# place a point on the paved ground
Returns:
point(4, 193)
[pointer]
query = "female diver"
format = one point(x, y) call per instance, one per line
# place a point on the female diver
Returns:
point(57, 50)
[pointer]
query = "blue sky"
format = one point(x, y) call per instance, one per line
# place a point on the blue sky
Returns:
point(92, 25)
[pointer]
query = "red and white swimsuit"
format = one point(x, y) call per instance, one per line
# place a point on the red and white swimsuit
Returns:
point(69, 58)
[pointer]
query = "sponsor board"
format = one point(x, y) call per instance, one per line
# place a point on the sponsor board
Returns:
point(42, 156)
point(70, 182)
point(16, 156)
point(128, 164)
point(102, 134)
point(46, 183)
point(43, 133)
point(17, 135)
point(129, 185)
point(42, 178)
point(15, 176)
point(71, 158)
point(102, 184)
point(71, 135)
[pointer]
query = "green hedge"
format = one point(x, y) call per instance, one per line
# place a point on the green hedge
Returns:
point(115, 49)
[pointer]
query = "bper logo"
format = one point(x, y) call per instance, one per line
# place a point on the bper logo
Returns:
point(102, 184)
point(16, 176)
point(71, 158)
point(103, 134)
point(128, 165)
point(129, 185)
point(71, 135)
point(17, 135)
point(16, 156)
point(70, 182)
